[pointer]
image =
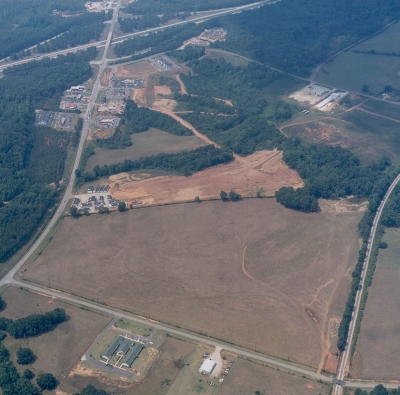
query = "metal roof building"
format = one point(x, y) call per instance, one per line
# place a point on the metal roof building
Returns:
point(112, 348)
point(207, 366)
point(132, 354)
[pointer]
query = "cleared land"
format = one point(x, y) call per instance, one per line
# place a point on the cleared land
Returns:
point(264, 170)
point(237, 271)
point(352, 70)
point(247, 377)
point(369, 136)
point(59, 350)
point(378, 348)
point(148, 143)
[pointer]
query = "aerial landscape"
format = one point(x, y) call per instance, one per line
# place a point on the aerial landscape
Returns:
point(199, 197)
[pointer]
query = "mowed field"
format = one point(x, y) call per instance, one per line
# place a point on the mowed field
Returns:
point(262, 171)
point(352, 70)
point(377, 353)
point(247, 377)
point(252, 272)
point(152, 142)
point(57, 351)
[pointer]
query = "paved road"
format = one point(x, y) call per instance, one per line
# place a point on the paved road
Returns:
point(69, 188)
point(120, 39)
point(178, 332)
point(346, 354)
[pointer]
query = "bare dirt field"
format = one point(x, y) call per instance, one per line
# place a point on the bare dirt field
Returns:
point(247, 377)
point(58, 351)
point(237, 271)
point(377, 353)
point(264, 170)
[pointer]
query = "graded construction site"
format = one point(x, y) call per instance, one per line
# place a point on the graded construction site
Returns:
point(234, 271)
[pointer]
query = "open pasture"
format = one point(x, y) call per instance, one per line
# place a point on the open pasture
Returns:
point(377, 353)
point(352, 70)
point(148, 143)
point(248, 377)
point(57, 351)
point(252, 272)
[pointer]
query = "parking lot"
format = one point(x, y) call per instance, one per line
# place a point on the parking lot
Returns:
point(95, 200)
point(56, 120)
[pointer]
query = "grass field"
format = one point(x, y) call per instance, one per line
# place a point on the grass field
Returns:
point(368, 136)
point(386, 41)
point(377, 353)
point(247, 377)
point(385, 109)
point(202, 266)
point(352, 70)
point(59, 350)
point(144, 144)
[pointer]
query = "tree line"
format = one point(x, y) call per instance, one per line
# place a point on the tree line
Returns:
point(34, 324)
point(137, 120)
point(184, 162)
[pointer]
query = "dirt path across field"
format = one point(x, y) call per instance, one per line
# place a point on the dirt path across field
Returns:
point(182, 87)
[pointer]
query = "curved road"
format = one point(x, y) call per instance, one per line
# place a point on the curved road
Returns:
point(346, 354)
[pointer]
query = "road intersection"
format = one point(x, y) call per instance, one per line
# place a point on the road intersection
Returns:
point(10, 278)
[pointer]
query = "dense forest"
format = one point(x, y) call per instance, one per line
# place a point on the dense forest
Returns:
point(139, 119)
point(23, 24)
point(307, 32)
point(128, 25)
point(161, 41)
point(175, 6)
point(89, 28)
point(184, 162)
point(31, 158)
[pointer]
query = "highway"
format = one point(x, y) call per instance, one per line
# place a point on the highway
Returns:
point(120, 39)
point(346, 354)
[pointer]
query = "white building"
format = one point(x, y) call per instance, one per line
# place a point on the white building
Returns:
point(207, 366)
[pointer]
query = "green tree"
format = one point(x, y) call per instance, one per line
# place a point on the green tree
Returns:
point(46, 381)
point(2, 304)
point(121, 206)
point(90, 390)
point(234, 196)
point(224, 196)
point(28, 374)
point(25, 356)
point(74, 211)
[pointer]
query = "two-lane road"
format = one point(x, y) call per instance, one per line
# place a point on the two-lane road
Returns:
point(346, 354)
